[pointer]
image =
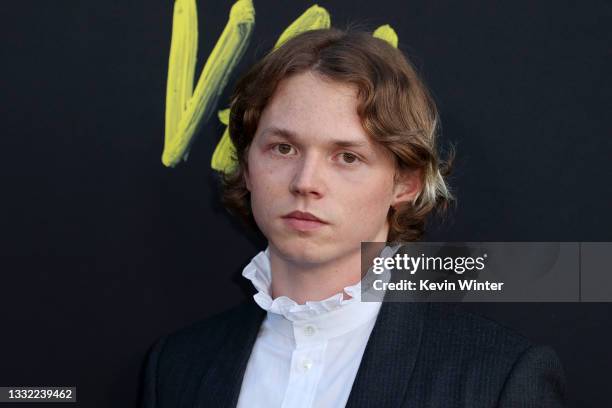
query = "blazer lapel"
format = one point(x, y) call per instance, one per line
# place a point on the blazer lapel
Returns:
point(389, 356)
point(220, 385)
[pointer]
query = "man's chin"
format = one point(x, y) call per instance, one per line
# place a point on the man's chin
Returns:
point(305, 253)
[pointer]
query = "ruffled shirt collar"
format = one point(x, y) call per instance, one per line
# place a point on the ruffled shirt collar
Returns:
point(258, 271)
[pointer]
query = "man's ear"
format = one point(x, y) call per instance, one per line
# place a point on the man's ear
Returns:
point(407, 187)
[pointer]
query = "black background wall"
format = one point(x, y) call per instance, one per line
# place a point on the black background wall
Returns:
point(103, 249)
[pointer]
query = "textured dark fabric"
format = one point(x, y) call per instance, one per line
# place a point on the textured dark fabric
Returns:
point(418, 355)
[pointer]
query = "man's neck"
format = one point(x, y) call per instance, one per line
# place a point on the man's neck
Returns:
point(308, 282)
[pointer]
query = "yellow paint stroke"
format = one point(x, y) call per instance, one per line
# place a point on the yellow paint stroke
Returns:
point(314, 18)
point(224, 158)
point(387, 33)
point(186, 111)
point(181, 70)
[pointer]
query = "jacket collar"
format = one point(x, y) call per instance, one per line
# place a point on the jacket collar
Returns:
point(220, 385)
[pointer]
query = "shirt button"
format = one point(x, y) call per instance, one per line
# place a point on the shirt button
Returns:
point(309, 330)
point(306, 365)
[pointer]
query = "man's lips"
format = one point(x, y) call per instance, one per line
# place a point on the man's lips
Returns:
point(300, 215)
point(303, 221)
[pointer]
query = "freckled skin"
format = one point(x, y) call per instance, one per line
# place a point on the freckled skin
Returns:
point(349, 187)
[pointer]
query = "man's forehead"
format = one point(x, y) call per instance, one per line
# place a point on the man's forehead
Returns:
point(301, 98)
point(312, 82)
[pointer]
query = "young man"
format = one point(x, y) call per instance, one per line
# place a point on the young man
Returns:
point(335, 145)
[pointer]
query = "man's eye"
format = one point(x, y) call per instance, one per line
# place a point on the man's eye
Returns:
point(349, 158)
point(283, 148)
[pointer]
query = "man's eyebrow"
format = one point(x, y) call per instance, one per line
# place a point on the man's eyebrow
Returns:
point(275, 131)
point(293, 137)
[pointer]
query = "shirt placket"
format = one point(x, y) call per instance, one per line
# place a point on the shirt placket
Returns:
point(306, 366)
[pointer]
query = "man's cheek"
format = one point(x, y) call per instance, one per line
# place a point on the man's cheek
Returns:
point(370, 213)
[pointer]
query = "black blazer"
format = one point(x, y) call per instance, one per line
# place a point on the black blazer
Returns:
point(418, 355)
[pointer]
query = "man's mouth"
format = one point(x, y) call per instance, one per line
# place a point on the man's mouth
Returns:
point(303, 221)
point(300, 215)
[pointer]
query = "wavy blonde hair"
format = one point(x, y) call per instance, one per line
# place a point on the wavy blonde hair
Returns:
point(395, 107)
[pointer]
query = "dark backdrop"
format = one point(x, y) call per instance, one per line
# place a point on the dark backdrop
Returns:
point(103, 249)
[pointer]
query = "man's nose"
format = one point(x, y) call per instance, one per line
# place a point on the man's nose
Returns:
point(308, 177)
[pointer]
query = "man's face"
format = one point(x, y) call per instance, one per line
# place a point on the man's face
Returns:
point(311, 154)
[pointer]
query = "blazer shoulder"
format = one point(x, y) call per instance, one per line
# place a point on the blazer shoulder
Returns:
point(467, 357)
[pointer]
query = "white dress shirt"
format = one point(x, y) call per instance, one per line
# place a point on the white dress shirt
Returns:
point(305, 355)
